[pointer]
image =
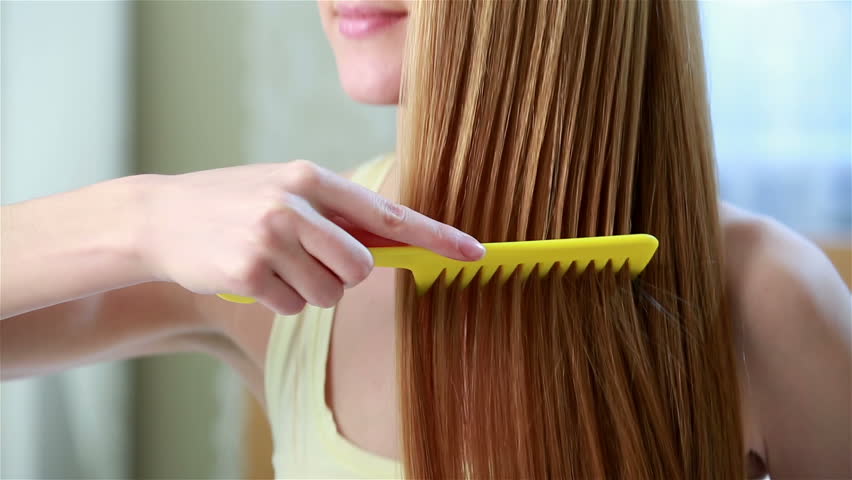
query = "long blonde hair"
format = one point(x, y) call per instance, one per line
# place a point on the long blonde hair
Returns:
point(542, 119)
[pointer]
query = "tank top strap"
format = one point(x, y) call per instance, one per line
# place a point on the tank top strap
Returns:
point(372, 174)
point(306, 441)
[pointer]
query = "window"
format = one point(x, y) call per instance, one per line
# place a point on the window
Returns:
point(779, 81)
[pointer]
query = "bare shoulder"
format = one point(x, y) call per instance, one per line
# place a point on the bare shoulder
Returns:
point(794, 315)
point(780, 275)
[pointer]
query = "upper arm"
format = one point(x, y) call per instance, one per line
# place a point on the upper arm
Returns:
point(139, 320)
point(798, 356)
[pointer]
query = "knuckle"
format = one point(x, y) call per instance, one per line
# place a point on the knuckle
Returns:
point(288, 212)
point(291, 305)
point(265, 233)
point(443, 234)
point(303, 176)
point(359, 269)
point(248, 277)
point(287, 301)
point(393, 214)
point(330, 294)
point(324, 289)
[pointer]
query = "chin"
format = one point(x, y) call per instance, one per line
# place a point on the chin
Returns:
point(368, 40)
point(370, 83)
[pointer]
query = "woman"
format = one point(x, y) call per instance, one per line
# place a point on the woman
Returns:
point(278, 233)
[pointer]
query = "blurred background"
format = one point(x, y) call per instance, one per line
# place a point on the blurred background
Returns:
point(92, 90)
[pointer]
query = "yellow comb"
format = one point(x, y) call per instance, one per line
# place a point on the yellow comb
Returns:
point(427, 266)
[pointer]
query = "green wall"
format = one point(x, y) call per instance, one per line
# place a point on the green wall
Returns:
point(220, 83)
point(188, 117)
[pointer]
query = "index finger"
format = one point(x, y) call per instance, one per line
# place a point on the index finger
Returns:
point(375, 214)
point(366, 238)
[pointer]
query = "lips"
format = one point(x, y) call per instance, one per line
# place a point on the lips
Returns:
point(361, 19)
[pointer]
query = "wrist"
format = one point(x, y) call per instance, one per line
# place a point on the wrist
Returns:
point(136, 221)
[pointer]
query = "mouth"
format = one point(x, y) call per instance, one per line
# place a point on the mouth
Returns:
point(363, 19)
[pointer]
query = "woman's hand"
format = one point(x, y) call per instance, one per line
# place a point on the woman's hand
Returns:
point(273, 232)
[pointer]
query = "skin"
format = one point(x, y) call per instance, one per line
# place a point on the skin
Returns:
point(136, 280)
point(369, 68)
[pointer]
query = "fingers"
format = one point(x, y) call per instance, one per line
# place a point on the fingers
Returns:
point(297, 278)
point(279, 296)
point(364, 237)
point(300, 227)
point(374, 213)
point(336, 249)
point(308, 277)
point(314, 256)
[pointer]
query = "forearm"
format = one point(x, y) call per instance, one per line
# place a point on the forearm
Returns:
point(144, 319)
point(72, 245)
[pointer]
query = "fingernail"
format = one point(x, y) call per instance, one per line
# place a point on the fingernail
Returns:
point(471, 248)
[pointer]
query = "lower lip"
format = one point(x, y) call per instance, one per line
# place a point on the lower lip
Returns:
point(365, 25)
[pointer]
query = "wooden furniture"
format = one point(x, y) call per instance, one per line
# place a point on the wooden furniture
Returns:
point(257, 456)
point(839, 251)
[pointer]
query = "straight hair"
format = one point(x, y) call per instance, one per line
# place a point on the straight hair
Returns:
point(541, 119)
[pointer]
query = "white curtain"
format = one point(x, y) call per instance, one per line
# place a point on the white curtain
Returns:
point(65, 124)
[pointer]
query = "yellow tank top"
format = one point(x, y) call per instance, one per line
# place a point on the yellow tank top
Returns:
point(306, 441)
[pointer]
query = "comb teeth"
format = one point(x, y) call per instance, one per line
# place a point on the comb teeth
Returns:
point(468, 274)
point(507, 257)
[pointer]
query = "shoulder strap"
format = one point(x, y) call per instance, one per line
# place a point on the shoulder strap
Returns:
point(372, 174)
